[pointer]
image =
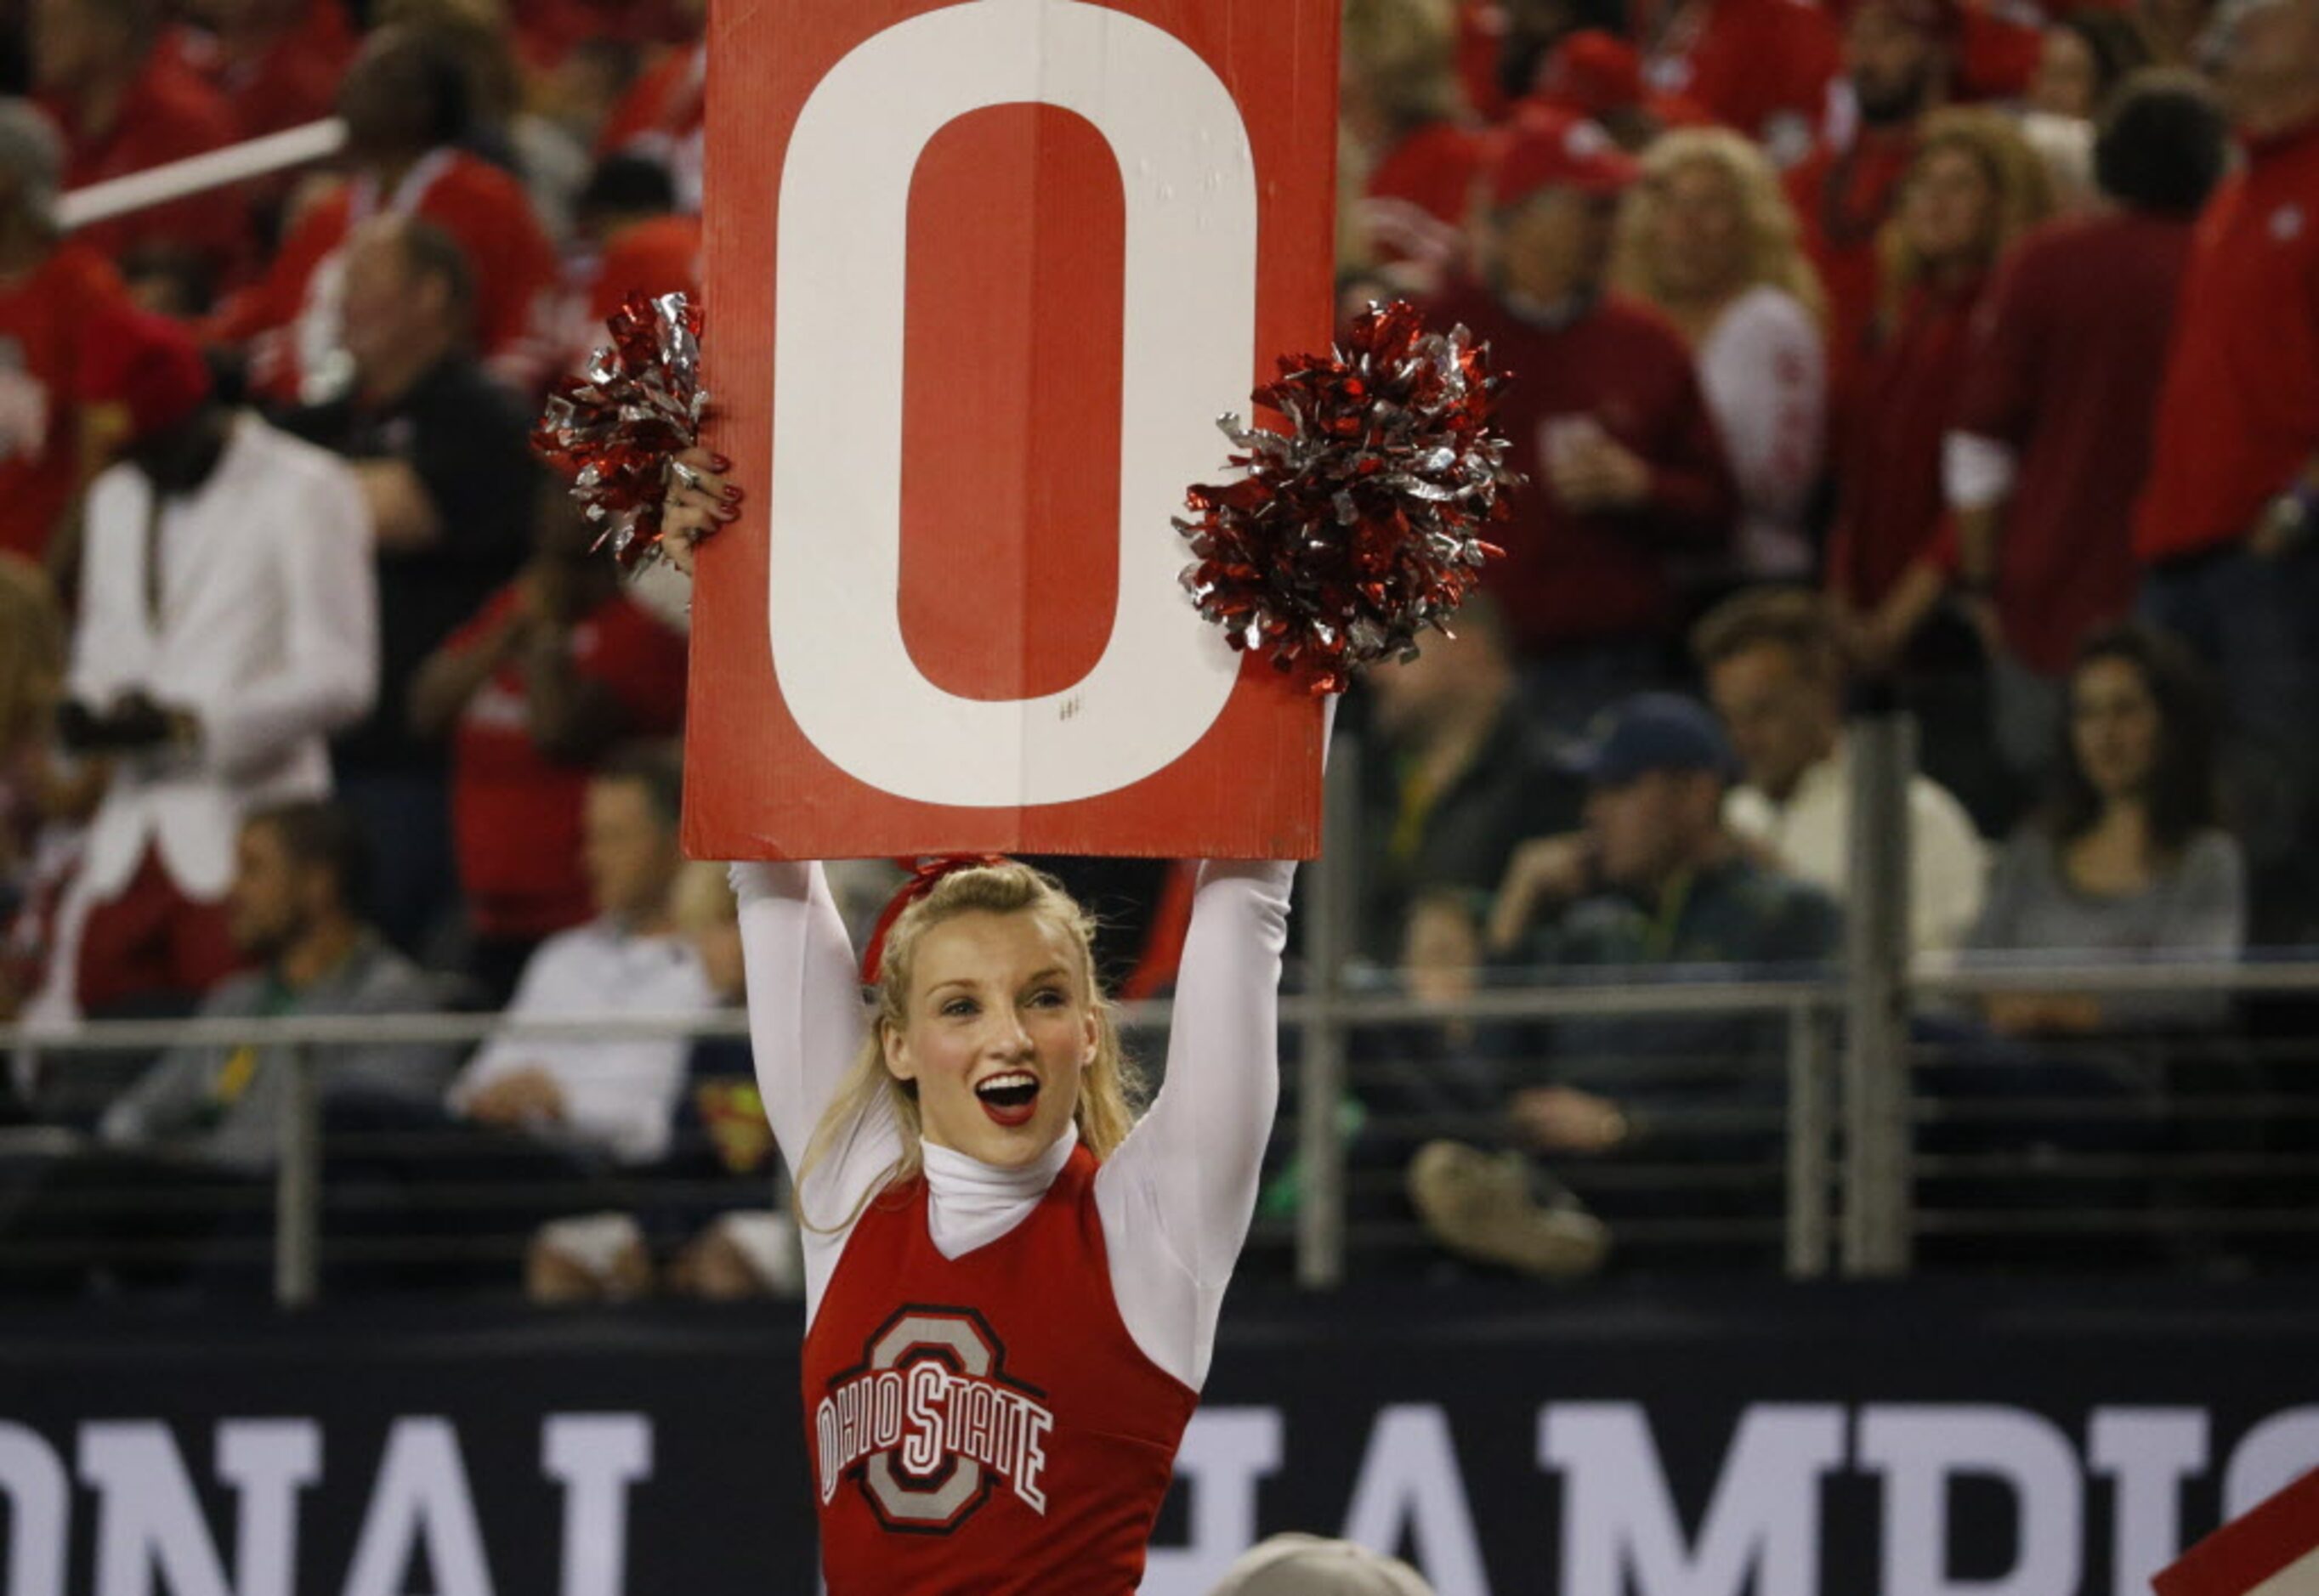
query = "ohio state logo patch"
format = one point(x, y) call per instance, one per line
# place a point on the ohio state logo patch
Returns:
point(928, 1424)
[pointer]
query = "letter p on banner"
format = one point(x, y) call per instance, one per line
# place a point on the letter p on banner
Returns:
point(981, 279)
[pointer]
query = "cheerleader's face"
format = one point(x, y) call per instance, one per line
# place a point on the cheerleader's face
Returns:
point(998, 1031)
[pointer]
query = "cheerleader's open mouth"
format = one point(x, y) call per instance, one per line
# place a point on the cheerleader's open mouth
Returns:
point(1010, 1099)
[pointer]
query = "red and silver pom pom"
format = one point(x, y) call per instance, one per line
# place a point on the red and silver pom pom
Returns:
point(1360, 526)
point(619, 426)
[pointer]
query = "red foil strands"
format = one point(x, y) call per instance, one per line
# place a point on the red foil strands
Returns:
point(1361, 525)
point(618, 427)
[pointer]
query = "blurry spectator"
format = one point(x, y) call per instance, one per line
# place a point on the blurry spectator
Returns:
point(444, 461)
point(557, 668)
point(1900, 62)
point(276, 62)
point(2089, 54)
point(1594, 74)
point(52, 291)
point(1307, 1566)
point(1657, 882)
point(1402, 109)
point(2128, 859)
point(228, 626)
point(1456, 778)
point(1973, 187)
point(630, 239)
point(295, 909)
point(662, 117)
point(1762, 68)
point(2044, 460)
point(1530, 31)
point(503, 128)
point(1707, 239)
point(407, 102)
point(2178, 29)
point(1656, 878)
point(617, 1099)
point(124, 105)
point(1774, 668)
point(2228, 524)
point(32, 682)
point(1625, 469)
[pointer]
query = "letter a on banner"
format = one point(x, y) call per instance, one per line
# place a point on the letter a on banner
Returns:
point(981, 277)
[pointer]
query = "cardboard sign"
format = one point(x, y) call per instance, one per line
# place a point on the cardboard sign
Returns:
point(981, 279)
point(2272, 1551)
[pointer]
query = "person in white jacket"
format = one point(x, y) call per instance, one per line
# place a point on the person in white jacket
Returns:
point(1775, 673)
point(228, 626)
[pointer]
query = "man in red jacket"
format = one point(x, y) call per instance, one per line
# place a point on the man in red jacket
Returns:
point(1606, 420)
point(2228, 524)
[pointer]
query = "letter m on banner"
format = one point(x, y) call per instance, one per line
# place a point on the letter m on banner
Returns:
point(981, 277)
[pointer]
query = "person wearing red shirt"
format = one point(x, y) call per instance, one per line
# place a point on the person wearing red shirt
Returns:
point(2228, 524)
point(1899, 59)
point(1405, 113)
point(628, 240)
point(1606, 420)
point(1975, 186)
point(1595, 73)
point(405, 102)
point(277, 62)
point(663, 116)
point(2043, 464)
point(558, 667)
point(51, 292)
point(124, 105)
point(1762, 67)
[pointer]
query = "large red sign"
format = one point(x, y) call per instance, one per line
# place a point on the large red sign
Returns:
point(981, 279)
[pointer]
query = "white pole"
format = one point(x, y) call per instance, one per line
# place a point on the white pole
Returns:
point(236, 163)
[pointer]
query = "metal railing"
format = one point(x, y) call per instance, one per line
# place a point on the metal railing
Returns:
point(1857, 1136)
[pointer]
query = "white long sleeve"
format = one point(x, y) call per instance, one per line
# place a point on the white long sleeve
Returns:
point(325, 673)
point(619, 1095)
point(1177, 1196)
point(807, 1022)
point(1764, 375)
point(1175, 1200)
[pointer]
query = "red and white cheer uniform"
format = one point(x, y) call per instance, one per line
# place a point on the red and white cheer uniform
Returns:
point(999, 1363)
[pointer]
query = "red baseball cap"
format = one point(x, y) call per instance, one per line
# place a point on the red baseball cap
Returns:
point(1547, 147)
point(1590, 73)
point(149, 365)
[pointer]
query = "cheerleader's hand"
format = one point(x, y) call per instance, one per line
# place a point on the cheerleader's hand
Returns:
point(699, 502)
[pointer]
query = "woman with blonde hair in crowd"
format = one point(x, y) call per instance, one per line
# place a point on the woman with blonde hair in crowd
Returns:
point(1707, 237)
point(1975, 185)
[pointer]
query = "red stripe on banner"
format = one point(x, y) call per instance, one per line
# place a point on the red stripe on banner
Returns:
point(2250, 1548)
point(1010, 477)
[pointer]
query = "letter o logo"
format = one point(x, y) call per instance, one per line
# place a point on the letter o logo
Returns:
point(1189, 178)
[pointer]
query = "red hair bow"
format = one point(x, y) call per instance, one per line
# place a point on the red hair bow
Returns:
point(923, 874)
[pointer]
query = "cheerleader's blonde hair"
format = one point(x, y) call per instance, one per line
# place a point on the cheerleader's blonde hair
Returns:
point(1111, 1089)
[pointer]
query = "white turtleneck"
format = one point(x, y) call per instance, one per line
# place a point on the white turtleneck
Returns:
point(971, 1204)
point(1177, 1196)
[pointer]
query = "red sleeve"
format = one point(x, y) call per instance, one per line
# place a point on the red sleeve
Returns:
point(1998, 57)
point(2000, 391)
point(479, 625)
point(272, 301)
point(1945, 551)
point(1692, 498)
point(642, 663)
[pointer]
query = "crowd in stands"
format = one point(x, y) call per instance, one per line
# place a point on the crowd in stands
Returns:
point(1944, 354)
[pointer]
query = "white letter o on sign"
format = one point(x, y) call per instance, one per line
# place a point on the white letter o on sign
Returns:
point(1189, 179)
